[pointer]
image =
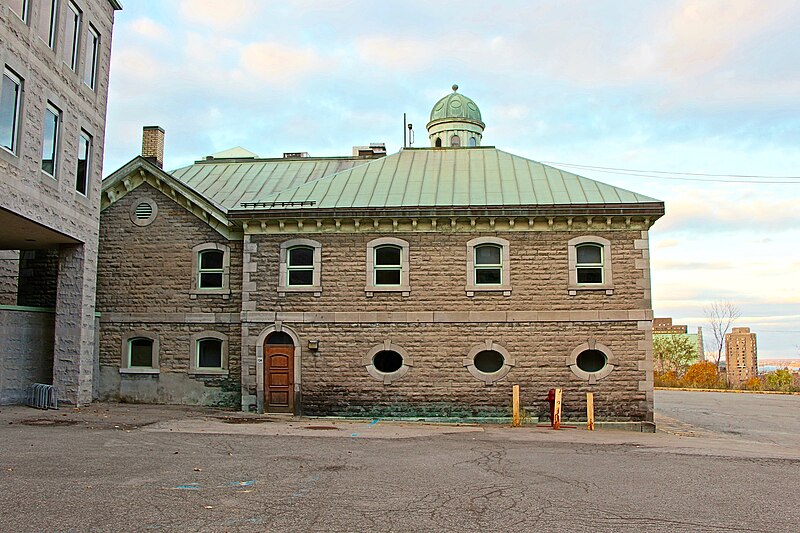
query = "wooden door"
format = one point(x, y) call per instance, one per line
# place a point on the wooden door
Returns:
point(279, 378)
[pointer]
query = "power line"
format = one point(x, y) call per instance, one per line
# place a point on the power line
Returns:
point(737, 178)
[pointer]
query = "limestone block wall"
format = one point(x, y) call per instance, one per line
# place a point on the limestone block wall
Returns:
point(438, 273)
point(174, 384)
point(539, 323)
point(26, 352)
point(9, 276)
point(335, 381)
point(148, 269)
point(145, 284)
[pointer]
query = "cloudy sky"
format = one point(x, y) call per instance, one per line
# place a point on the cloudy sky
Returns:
point(687, 95)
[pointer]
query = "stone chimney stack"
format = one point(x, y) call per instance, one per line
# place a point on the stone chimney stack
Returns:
point(153, 145)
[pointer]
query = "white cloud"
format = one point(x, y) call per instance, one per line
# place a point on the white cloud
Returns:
point(278, 64)
point(150, 29)
point(228, 15)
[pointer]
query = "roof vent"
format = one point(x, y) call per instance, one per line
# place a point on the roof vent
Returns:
point(373, 150)
point(294, 155)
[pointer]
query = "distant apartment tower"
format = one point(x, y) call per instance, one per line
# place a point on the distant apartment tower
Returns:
point(741, 356)
point(665, 327)
point(55, 58)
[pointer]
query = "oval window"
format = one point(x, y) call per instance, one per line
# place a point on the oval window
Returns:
point(489, 361)
point(387, 361)
point(591, 360)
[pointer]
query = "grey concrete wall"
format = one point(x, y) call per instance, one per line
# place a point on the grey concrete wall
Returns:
point(26, 352)
point(53, 202)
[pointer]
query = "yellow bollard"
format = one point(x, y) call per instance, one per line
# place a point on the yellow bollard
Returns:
point(590, 411)
point(515, 423)
point(557, 411)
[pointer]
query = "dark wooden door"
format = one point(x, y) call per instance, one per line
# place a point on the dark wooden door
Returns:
point(279, 378)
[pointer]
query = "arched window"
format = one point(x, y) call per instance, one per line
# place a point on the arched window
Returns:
point(208, 353)
point(488, 264)
point(211, 267)
point(589, 259)
point(387, 266)
point(473, 142)
point(455, 140)
point(438, 143)
point(589, 263)
point(140, 353)
point(300, 267)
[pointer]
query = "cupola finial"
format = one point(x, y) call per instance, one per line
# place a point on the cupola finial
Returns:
point(455, 87)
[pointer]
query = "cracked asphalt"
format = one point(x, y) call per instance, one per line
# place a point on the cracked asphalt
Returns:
point(144, 468)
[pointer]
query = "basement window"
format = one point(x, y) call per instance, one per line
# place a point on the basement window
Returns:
point(591, 361)
point(488, 362)
point(140, 353)
point(209, 353)
point(387, 362)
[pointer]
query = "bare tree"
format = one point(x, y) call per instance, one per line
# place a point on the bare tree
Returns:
point(721, 315)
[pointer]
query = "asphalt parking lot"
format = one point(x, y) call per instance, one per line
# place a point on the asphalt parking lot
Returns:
point(143, 468)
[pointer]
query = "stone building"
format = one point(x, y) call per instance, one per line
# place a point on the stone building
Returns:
point(741, 356)
point(55, 58)
point(425, 282)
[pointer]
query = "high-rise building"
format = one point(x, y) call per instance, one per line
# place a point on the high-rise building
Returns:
point(741, 356)
point(55, 57)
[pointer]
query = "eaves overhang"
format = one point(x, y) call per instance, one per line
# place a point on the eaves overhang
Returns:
point(139, 170)
point(651, 210)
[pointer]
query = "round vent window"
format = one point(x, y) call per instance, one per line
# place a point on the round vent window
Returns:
point(387, 361)
point(591, 360)
point(489, 361)
point(144, 212)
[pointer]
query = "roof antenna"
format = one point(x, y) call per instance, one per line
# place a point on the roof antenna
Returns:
point(405, 135)
point(410, 134)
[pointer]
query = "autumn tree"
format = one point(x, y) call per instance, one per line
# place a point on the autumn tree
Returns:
point(673, 353)
point(778, 380)
point(720, 315)
point(702, 375)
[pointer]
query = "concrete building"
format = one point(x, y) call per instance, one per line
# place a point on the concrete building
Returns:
point(741, 356)
point(55, 58)
point(665, 327)
point(424, 282)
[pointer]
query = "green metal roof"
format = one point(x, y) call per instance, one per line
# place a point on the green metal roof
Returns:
point(445, 177)
point(456, 105)
point(228, 183)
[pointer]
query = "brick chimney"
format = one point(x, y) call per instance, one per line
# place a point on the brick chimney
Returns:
point(153, 145)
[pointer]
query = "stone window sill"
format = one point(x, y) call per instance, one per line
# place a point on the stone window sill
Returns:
point(225, 293)
point(573, 289)
point(200, 372)
point(139, 371)
point(472, 289)
point(404, 289)
point(316, 289)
